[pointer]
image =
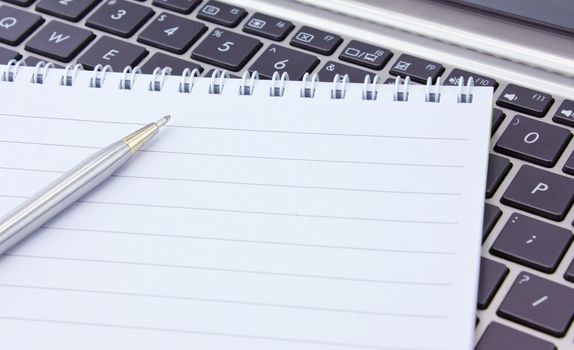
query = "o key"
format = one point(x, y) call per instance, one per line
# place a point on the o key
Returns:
point(534, 141)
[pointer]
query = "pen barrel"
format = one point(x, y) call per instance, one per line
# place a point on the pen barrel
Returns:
point(61, 193)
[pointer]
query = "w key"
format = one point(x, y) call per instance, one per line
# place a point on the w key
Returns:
point(540, 192)
point(534, 141)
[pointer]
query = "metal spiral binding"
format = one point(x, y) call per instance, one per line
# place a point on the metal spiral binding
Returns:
point(431, 96)
point(41, 71)
point(370, 89)
point(67, 79)
point(217, 88)
point(188, 79)
point(339, 87)
point(158, 78)
point(247, 89)
point(126, 83)
point(12, 70)
point(278, 91)
point(401, 95)
point(308, 92)
point(465, 96)
point(99, 75)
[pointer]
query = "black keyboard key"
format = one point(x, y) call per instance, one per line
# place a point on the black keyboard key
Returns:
point(161, 60)
point(565, 113)
point(392, 81)
point(539, 303)
point(491, 215)
point(499, 337)
point(16, 25)
point(534, 141)
point(210, 72)
point(492, 274)
point(366, 55)
point(479, 80)
point(281, 59)
point(116, 53)
point(181, 6)
point(540, 192)
point(172, 33)
point(525, 100)
point(59, 41)
point(417, 69)
point(23, 3)
point(316, 40)
point(498, 167)
point(72, 10)
point(497, 118)
point(32, 61)
point(532, 242)
point(7, 55)
point(569, 165)
point(569, 275)
point(223, 14)
point(226, 49)
point(268, 27)
point(119, 17)
point(356, 75)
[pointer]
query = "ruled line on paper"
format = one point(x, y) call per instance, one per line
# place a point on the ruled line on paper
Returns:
point(294, 244)
point(226, 301)
point(254, 212)
point(251, 183)
point(411, 137)
point(251, 156)
point(254, 272)
point(217, 334)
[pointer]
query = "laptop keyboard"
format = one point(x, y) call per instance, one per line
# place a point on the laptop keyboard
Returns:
point(526, 185)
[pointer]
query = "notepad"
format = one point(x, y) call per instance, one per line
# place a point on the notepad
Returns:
point(266, 214)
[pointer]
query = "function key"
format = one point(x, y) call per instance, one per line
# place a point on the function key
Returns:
point(540, 192)
point(366, 55)
point(565, 113)
point(161, 60)
point(539, 303)
point(226, 49)
point(417, 69)
point(356, 75)
point(479, 80)
point(499, 337)
point(316, 40)
point(534, 141)
point(119, 17)
point(59, 41)
point(525, 100)
point(281, 59)
point(118, 54)
point(268, 27)
point(72, 10)
point(223, 14)
point(533, 243)
point(7, 55)
point(16, 25)
point(172, 33)
point(492, 274)
point(181, 6)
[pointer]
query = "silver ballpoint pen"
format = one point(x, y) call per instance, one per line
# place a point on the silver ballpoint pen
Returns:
point(67, 189)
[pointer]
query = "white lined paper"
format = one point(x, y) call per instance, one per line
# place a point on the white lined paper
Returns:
point(263, 223)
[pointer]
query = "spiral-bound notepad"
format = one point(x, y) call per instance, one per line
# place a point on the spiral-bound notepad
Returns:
point(267, 215)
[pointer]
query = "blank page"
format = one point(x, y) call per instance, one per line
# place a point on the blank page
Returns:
point(250, 221)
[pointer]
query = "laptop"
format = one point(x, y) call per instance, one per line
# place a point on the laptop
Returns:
point(523, 49)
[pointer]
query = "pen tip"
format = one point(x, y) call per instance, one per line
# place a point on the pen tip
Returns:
point(163, 120)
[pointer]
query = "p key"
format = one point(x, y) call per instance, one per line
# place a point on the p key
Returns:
point(540, 192)
point(534, 141)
